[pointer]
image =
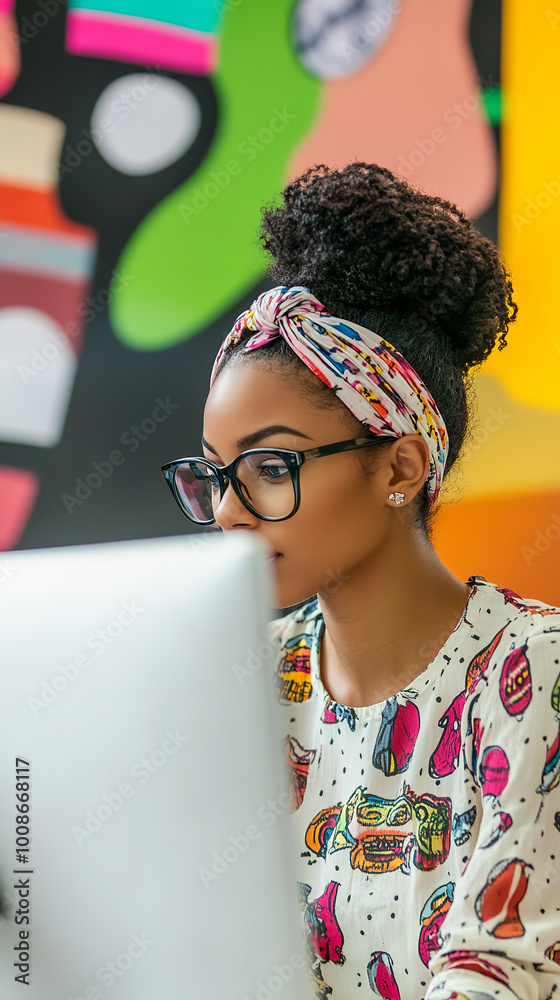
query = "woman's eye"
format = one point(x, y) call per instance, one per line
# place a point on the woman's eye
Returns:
point(275, 470)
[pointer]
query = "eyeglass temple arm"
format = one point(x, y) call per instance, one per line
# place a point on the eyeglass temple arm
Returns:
point(331, 449)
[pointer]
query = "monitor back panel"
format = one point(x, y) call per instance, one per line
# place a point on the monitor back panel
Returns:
point(143, 844)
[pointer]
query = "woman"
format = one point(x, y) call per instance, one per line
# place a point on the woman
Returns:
point(422, 734)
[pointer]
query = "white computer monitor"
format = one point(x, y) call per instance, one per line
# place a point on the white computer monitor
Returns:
point(145, 764)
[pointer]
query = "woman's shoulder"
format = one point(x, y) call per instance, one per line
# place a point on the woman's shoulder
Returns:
point(521, 647)
point(524, 614)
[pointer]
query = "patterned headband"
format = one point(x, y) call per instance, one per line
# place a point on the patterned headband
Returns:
point(370, 377)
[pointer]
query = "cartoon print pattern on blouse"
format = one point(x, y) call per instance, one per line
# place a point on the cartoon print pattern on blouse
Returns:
point(293, 679)
point(432, 916)
point(554, 952)
point(501, 822)
point(381, 976)
point(515, 681)
point(497, 904)
point(334, 712)
point(323, 936)
point(476, 963)
point(445, 757)
point(551, 770)
point(474, 734)
point(494, 773)
point(297, 760)
point(523, 604)
point(324, 928)
point(468, 792)
point(384, 834)
point(396, 738)
point(461, 825)
point(499, 907)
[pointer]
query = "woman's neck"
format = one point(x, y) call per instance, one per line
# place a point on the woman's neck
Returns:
point(387, 621)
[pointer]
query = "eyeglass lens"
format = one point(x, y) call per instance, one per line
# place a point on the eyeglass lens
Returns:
point(264, 478)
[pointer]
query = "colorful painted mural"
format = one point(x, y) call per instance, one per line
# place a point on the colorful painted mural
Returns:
point(138, 143)
point(510, 475)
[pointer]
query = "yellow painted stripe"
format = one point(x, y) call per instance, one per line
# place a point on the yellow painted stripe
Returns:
point(529, 222)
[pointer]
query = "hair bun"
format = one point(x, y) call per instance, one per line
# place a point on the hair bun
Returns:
point(364, 240)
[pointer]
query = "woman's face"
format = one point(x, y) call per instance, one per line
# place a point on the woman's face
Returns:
point(342, 518)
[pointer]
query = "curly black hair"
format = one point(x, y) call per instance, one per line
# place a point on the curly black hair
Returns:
point(408, 265)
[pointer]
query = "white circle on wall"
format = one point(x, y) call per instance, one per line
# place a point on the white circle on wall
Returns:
point(335, 38)
point(142, 123)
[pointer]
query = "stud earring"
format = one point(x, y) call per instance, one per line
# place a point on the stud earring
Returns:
point(397, 497)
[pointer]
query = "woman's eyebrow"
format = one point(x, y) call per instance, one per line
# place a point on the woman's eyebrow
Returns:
point(250, 439)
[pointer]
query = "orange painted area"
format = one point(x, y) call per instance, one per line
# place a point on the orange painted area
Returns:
point(415, 108)
point(37, 208)
point(513, 541)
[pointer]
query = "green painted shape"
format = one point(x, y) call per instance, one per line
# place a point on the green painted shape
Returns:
point(555, 696)
point(199, 15)
point(196, 253)
point(492, 104)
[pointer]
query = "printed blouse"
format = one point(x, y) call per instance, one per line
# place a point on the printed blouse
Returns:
point(427, 826)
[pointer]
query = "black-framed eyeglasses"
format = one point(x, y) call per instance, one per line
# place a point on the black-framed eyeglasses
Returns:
point(266, 480)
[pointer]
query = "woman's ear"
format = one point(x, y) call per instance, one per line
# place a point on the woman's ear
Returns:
point(408, 465)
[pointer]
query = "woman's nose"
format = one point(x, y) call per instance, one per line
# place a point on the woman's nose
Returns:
point(231, 511)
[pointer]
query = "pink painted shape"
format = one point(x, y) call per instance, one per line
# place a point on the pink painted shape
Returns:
point(494, 771)
point(138, 40)
point(10, 60)
point(388, 110)
point(405, 731)
point(328, 945)
point(18, 492)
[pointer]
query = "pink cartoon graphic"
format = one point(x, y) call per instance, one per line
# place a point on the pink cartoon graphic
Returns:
point(396, 738)
point(323, 927)
point(515, 682)
point(381, 976)
point(432, 916)
point(445, 757)
point(494, 772)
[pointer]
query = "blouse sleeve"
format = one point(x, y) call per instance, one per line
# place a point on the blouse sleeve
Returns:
point(500, 939)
